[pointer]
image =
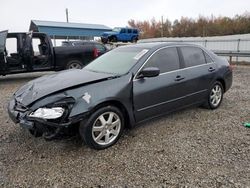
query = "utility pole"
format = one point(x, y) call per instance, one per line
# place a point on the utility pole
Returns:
point(67, 19)
point(204, 31)
point(162, 26)
point(67, 15)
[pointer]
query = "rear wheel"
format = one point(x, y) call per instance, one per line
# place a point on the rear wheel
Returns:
point(103, 128)
point(104, 40)
point(215, 96)
point(134, 40)
point(74, 64)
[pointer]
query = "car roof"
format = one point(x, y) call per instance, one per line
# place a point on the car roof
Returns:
point(155, 45)
point(126, 28)
point(81, 41)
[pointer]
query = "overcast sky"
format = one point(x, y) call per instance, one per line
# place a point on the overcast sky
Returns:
point(15, 15)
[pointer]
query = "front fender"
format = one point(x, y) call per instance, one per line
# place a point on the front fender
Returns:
point(91, 96)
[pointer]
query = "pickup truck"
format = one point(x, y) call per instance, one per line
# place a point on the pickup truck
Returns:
point(30, 52)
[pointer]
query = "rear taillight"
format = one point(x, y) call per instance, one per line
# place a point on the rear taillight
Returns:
point(96, 54)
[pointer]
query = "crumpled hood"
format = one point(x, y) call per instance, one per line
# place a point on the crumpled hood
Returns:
point(50, 84)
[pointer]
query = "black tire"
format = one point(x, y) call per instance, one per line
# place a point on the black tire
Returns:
point(134, 40)
point(38, 130)
point(36, 133)
point(87, 133)
point(113, 39)
point(74, 64)
point(104, 40)
point(210, 104)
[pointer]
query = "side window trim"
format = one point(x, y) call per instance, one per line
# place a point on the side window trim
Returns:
point(165, 47)
point(205, 53)
point(181, 58)
point(179, 65)
point(197, 47)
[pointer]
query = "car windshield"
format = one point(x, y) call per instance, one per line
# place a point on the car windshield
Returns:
point(116, 29)
point(118, 61)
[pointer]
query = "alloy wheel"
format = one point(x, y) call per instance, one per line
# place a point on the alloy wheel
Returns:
point(75, 66)
point(106, 128)
point(216, 95)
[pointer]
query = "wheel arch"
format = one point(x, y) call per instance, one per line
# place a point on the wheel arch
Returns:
point(222, 81)
point(111, 36)
point(120, 106)
point(70, 59)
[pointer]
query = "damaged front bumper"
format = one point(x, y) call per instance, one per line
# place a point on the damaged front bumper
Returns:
point(19, 114)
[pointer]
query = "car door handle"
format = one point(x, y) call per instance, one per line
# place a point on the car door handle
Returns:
point(211, 69)
point(179, 78)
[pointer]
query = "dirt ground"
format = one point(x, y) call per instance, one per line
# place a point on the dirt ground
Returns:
point(191, 148)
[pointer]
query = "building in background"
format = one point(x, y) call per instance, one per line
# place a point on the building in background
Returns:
point(68, 31)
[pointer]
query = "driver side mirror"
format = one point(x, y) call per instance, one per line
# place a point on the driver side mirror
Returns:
point(149, 72)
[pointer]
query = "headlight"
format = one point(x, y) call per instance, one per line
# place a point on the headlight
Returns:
point(48, 113)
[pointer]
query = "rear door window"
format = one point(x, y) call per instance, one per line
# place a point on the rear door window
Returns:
point(135, 31)
point(193, 56)
point(11, 45)
point(166, 60)
point(35, 43)
point(208, 58)
point(123, 30)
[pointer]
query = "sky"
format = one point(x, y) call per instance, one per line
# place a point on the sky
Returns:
point(15, 15)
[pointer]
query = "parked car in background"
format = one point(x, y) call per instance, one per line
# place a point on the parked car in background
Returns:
point(30, 52)
point(123, 87)
point(121, 34)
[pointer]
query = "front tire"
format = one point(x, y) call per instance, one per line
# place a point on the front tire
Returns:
point(113, 39)
point(103, 128)
point(37, 130)
point(215, 96)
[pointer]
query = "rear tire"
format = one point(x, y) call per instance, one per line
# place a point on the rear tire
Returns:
point(104, 40)
point(103, 128)
point(215, 96)
point(134, 40)
point(74, 64)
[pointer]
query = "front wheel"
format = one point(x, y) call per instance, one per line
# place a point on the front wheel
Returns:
point(103, 128)
point(215, 96)
point(113, 39)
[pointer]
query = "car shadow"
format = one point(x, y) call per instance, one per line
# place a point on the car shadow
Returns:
point(75, 143)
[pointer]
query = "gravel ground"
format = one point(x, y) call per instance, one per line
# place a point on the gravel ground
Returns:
point(191, 148)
